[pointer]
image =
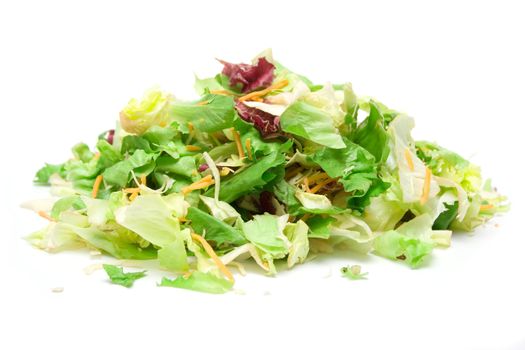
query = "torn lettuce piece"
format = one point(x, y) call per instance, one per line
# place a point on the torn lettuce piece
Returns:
point(151, 218)
point(252, 178)
point(221, 210)
point(215, 230)
point(42, 176)
point(139, 116)
point(297, 234)
point(394, 245)
point(450, 165)
point(266, 234)
point(200, 282)
point(411, 170)
point(371, 134)
point(211, 113)
point(355, 169)
point(311, 123)
point(413, 241)
point(118, 276)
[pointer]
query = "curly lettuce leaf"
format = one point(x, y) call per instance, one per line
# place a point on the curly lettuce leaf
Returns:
point(118, 276)
point(249, 77)
point(139, 116)
point(357, 172)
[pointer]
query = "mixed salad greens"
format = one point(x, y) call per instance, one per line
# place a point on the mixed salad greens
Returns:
point(264, 164)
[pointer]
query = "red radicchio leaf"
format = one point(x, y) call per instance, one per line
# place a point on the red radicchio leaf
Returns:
point(251, 77)
point(267, 124)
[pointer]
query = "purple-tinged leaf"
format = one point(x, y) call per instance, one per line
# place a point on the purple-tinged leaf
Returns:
point(267, 124)
point(251, 77)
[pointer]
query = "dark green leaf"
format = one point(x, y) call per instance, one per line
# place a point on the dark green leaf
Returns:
point(118, 276)
point(372, 136)
point(217, 231)
point(444, 219)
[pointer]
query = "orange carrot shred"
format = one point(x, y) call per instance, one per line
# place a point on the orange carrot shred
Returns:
point(409, 160)
point(96, 186)
point(213, 256)
point(43, 214)
point(426, 186)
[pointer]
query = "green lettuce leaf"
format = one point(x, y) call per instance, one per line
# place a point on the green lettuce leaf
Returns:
point(250, 179)
point(297, 234)
point(42, 176)
point(446, 217)
point(139, 116)
point(200, 282)
point(394, 245)
point(118, 276)
point(266, 233)
point(217, 114)
point(371, 135)
point(357, 172)
point(450, 165)
point(151, 218)
point(120, 173)
point(311, 123)
point(222, 234)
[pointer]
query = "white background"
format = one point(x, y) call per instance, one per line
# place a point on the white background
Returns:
point(67, 68)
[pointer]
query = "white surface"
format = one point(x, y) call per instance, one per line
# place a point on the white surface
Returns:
point(68, 67)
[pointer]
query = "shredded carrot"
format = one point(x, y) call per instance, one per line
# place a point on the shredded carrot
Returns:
point(193, 148)
point(306, 184)
point(426, 186)
point(96, 186)
point(293, 172)
point(316, 177)
point(321, 185)
point(238, 143)
point(182, 219)
point(143, 180)
point(213, 256)
point(197, 185)
point(187, 275)
point(133, 196)
point(97, 155)
point(43, 214)
point(190, 127)
point(409, 160)
point(260, 93)
point(202, 103)
point(221, 92)
point(131, 190)
point(248, 143)
point(163, 123)
point(486, 207)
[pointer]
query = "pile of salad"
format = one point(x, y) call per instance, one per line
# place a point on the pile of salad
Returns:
point(266, 165)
